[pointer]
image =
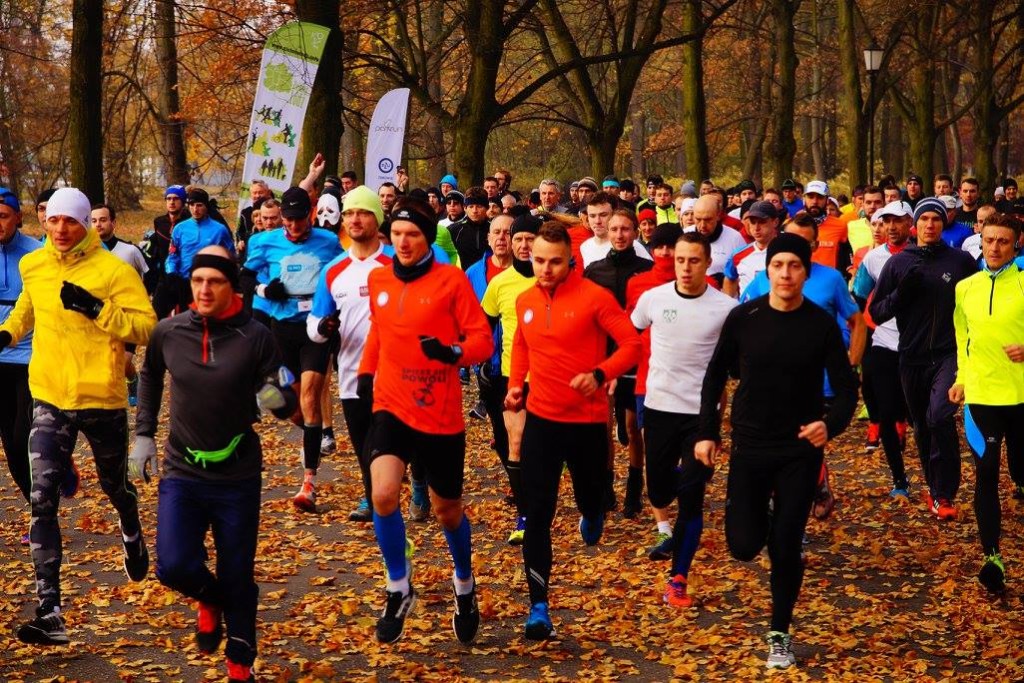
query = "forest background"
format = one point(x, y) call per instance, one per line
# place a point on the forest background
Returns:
point(122, 97)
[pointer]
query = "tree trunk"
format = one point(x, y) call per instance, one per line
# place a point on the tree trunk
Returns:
point(321, 131)
point(851, 102)
point(1004, 148)
point(694, 109)
point(85, 122)
point(783, 142)
point(168, 103)
point(435, 150)
point(638, 163)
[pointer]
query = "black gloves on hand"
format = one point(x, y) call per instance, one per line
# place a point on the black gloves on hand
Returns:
point(435, 350)
point(275, 290)
point(328, 327)
point(364, 388)
point(80, 300)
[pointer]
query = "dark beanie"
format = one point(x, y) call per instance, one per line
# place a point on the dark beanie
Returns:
point(932, 205)
point(525, 223)
point(427, 226)
point(665, 235)
point(790, 243)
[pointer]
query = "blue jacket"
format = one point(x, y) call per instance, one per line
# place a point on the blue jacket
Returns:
point(10, 290)
point(188, 237)
point(924, 310)
point(477, 274)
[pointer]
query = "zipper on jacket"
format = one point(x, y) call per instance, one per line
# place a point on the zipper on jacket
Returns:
point(991, 293)
point(206, 341)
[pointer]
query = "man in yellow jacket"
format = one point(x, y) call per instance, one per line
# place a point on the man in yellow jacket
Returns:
point(83, 304)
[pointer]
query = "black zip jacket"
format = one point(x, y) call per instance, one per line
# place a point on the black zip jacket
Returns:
point(614, 271)
point(470, 239)
point(216, 368)
point(917, 287)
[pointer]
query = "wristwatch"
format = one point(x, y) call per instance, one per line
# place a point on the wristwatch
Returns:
point(457, 350)
point(599, 375)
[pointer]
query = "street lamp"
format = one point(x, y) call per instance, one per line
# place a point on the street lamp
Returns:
point(872, 63)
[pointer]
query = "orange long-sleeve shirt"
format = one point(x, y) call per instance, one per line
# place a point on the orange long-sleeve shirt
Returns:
point(563, 334)
point(425, 394)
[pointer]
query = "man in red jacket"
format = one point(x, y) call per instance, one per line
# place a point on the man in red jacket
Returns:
point(562, 342)
point(425, 323)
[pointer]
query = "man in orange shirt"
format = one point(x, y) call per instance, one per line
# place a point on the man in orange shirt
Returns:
point(833, 248)
point(425, 323)
point(562, 341)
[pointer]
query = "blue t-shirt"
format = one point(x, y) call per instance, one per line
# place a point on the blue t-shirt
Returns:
point(794, 207)
point(956, 233)
point(272, 255)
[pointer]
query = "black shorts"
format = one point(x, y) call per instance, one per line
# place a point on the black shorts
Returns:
point(625, 394)
point(300, 353)
point(441, 456)
point(669, 439)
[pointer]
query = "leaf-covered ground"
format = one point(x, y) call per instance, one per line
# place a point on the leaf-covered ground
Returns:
point(889, 592)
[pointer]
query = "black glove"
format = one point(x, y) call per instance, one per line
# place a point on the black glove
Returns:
point(5, 340)
point(328, 327)
point(435, 350)
point(275, 290)
point(79, 300)
point(364, 388)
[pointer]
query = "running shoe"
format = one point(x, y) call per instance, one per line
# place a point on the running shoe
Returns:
point(327, 445)
point(591, 530)
point(133, 391)
point(45, 629)
point(780, 650)
point(824, 501)
point(419, 505)
point(362, 513)
point(305, 499)
point(209, 631)
point(538, 624)
point(25, 539)
point(239, 673)
point(466, 619)
point(479, 411)
point(397, 607)
point(874, 439)
point(675, 593)
point(72, 478)
point(944, 509)
point(993, 574)
point(899, 493)
point(929, 502)
point(662, 549)
point(136, 558)
point(517, 535)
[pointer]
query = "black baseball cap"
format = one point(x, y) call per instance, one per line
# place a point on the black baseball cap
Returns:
point(295, 203)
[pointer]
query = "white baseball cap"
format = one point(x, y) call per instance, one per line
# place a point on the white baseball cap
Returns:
point(817, 187)
point(895, 209)
point(949, 200)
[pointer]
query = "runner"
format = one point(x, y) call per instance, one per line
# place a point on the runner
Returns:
point(499, 303)
point(290, 261)
point(707, 216)
point(85, 303)
point(599, 211)
point(989, 321)
point(882, 391)
point(685, 318)
point(104, 221)
point(613, 272)
point(761, 221)
point(424, 324)
point(916, 287)
point(188, 237)
point(15, 398)
point(213, 457)
point(779, 345)
point(564, 325)
point(341, 310)
point(156, 243)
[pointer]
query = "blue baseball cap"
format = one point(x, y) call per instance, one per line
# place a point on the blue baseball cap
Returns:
point(176, 190)
point(8, 198)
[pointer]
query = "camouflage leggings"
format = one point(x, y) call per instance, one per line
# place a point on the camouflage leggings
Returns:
point(51, 443)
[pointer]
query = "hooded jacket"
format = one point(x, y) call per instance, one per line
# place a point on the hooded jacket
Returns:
point(10, 287)
point(76, 362)
point(923, 305)
point(470, 239)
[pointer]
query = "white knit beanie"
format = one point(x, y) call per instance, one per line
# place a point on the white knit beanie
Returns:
point(70, 202)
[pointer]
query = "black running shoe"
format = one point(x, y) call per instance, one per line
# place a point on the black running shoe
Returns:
point(44, 630)
point(396, 609)
point(466, 619)
point(136, 559)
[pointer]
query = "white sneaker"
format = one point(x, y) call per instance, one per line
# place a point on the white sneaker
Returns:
point(780, 650)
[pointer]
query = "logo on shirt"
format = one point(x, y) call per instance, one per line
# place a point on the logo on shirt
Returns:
point(528, 316)
point(946, 277)
point(364, 290)
point(669, 314)
point(382, 299)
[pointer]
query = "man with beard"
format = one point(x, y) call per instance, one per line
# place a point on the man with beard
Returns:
point(833, 248)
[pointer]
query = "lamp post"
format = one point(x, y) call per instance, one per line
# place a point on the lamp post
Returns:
point(872, 63)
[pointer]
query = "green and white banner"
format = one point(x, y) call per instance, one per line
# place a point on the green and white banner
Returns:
point(290, 60)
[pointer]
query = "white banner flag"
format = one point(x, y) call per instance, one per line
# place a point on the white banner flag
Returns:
point(287, 72)
point(387, 133)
